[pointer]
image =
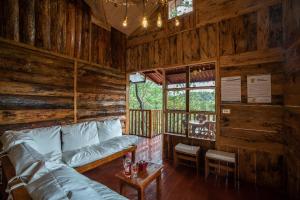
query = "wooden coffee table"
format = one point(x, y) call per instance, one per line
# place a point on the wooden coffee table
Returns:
point(152, 173)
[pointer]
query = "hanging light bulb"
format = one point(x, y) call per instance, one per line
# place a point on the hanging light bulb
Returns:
point(125, 23)
point(145, 22)
point(159, 21)
point(177, 22)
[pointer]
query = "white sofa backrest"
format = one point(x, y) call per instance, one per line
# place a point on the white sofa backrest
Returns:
point(44, 140)
point(80, 135)
point(109, 129)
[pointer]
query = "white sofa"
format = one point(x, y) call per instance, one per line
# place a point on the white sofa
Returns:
point(44, 158)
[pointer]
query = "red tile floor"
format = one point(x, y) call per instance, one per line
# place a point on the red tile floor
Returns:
point(180, 183)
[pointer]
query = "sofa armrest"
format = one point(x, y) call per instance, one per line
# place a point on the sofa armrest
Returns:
point(8, 173)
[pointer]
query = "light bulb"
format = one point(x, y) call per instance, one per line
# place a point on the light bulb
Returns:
point(177, 23)
point(159, 21)
point(125, 22)
point(145, 22)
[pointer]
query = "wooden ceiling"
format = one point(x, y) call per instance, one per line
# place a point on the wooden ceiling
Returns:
point(112, 14)
point(199, 73)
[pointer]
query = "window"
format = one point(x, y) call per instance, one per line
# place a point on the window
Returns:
point(191, 101)
point(183, 7)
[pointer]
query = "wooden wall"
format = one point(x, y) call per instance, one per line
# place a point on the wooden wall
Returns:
point(41, 89)
point(243, 37)
point(50, 70)
point(292, 96)
point(101, 93)
point(61, 26)
point(36, 89)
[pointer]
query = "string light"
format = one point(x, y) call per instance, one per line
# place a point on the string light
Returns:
point(177, 23)
point(159, 21)
point(145, 20)
point(125, 22)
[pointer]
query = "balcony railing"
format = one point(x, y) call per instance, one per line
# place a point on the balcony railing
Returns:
point(191, 124)
point(146, 123)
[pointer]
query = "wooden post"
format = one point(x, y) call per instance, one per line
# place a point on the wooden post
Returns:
point(43, 24)
point(127, 104)
point(150, 123)
point(12, 20)
point(187, 100)
point(75, 91)
point(27, 21)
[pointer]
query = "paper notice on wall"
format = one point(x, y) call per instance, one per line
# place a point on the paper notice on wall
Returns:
point(231, 89)
point(259, 89)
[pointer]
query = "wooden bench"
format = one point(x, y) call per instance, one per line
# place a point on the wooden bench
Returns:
point(220, 161)
point(187, 152)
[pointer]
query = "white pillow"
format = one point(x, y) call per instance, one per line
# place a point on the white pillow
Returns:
point(10, 139)
point(48, 140)
point(109, 129)
point(80, 135)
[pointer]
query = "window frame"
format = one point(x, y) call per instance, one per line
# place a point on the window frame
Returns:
point(184, 14)
point(187, 111)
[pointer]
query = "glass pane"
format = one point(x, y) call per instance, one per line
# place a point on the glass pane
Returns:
point(176, 100)
point(176, 78)
point(202, 100)
point(183, 7)
point(203, 75)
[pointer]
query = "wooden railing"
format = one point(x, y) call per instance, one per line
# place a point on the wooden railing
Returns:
point(183, 123)
point(145, 123)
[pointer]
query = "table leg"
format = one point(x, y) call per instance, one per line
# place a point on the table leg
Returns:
point(141, 194)
point(158, 186)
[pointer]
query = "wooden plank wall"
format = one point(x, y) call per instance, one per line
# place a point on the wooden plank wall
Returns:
point(50, 72)
point(41, 89)
point(101, 94)
point(36, 89)
point(292, 96)
point(60, 26)
point(243, 37)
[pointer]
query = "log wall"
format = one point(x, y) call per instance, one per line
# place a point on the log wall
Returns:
point(50, 70)
point(292, 96)
point(42, 89)
point(61, 26)
point(243, 37)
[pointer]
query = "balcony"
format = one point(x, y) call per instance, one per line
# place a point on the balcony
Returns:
point(149, 123)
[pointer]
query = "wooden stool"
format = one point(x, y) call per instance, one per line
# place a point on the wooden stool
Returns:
point(220, 160)
point(187, 152)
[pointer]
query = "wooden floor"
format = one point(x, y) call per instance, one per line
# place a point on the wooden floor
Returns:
point(179, 183)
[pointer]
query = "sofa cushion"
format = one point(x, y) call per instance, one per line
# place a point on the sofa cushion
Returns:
point(48, 140)
point(89, 154)
point(109, 129)
point(79, 135)
point(105, 192)
point(45, 140)
point(66, 183)
point(28, 163)
point(10, 139)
